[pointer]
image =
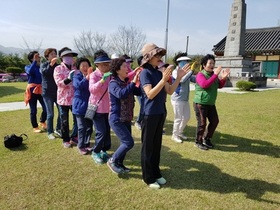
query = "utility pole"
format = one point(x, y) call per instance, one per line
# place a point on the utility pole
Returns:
point(166, 30)
point(187, 45)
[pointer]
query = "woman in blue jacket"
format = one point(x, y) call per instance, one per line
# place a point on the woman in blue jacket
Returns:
point(80, 104)
point(121, 111)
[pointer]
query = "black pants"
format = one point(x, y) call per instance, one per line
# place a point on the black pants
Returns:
point(204, 112)
point(151, 145)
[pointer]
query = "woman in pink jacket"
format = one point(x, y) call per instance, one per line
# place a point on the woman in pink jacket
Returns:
point(63, 75)
point(98, 87)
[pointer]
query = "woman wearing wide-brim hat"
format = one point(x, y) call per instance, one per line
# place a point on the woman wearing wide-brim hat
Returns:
point(154, 85)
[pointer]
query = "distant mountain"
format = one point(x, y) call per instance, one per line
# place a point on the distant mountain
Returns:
point(12, 50)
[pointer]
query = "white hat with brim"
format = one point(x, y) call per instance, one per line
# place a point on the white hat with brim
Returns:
point(149, 51)
point(183, 58)
point(68, 52)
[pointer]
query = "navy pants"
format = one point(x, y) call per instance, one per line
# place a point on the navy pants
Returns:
point(84, 131)
point(33, 109)
point(102, 132)
point(64, 117)
point(123, 132)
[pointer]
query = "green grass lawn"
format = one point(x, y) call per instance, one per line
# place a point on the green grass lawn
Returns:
point(242, 172)
point(12, 92)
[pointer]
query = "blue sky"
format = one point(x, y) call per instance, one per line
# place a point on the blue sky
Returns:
point(56, 23)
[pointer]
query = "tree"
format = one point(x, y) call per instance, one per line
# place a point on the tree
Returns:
point(127, 40)
point(88, 43)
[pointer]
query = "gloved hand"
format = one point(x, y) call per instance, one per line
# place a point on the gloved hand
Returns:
point(71, 74)
point(106, 75)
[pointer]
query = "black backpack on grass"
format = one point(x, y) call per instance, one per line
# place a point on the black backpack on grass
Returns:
point(13, 140)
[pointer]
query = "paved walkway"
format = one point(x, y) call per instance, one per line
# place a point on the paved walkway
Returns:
point(21, 105)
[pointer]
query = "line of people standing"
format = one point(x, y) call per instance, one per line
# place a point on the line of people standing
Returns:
point(73, 84)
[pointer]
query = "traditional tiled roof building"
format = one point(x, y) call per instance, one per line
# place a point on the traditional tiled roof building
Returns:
point(262, 45)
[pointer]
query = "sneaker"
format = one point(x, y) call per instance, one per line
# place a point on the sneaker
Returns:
point(138, 125)
point(36, 130)
point(161, 181)
point(97, 158)
point(114, 166)
point(207, 143)
point(66, 144)
point(83, 151)
point(200, 146)
point(176, 139)
point(43, 125)
point(182, 136)
point(104, 155)
point(154, 185)
point(51, 136)
point(58, 133)
point(74, 141)
point(89, 149)
point(125, 169)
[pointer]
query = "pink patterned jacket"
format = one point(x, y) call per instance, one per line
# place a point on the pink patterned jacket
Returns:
point(97, 89)
point(65, 92)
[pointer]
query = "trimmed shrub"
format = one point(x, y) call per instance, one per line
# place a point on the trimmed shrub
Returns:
point(14, 70)
point(245, 85)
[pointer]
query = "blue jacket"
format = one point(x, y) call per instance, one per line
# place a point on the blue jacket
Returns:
point(49, 87)
point(81, 94)
point(122, 100)
point(33, 73)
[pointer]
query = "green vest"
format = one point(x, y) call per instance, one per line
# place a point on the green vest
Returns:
point(206, 96)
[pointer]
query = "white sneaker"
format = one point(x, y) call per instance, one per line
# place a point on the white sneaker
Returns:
point(154, 185)
point(161, 181)
point(176, 139)
point(51, 136)
point(183, 136)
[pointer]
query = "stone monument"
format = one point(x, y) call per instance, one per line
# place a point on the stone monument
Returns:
point(234, 53)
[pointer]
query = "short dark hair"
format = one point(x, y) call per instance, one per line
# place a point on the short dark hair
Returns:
point(116, 65)
point(139, 60)
point(62, 50)
point(48, 51)
point(205, 59)
point(178, 55)
point(80, 60)
point(31, 55)
point(99, 53)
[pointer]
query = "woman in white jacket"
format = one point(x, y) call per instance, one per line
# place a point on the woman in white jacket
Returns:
point(180, 99)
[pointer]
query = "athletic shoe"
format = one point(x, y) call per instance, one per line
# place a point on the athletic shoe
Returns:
point(182, 136)
point(176, 139)
point(114, 166)
point(36, 130)
point(58, 133)
point(125, 169)
point(89, 149)
point(207, 143)
point(104, 155)
point(154, 185)
point(200, 146)
point(66, 144)
point(43, 125)
point(83, 151)
point(51, 136)
point(97, 158)
point(138, 125)
point(74, 141)
point(161, 181)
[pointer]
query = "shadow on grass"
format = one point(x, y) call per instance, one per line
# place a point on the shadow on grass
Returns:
point(9, 90)
point(230, 143)
point(207, 177)
point(20, 148)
